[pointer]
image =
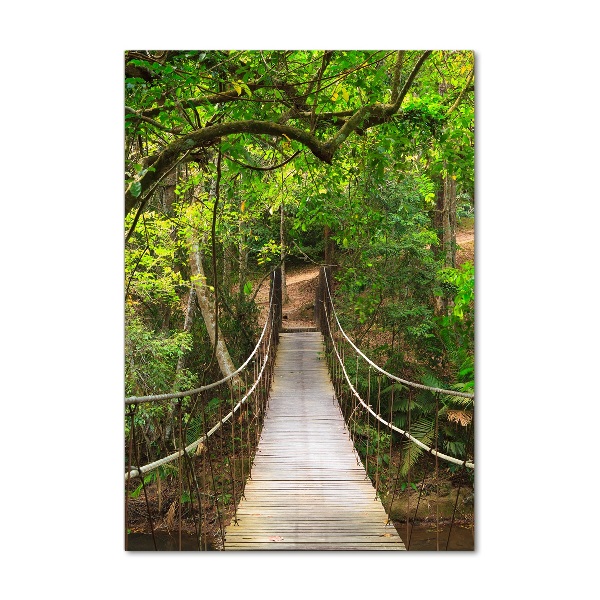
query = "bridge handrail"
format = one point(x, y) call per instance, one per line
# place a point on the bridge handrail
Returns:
point(138, 472)
point(169, 396)
point(413, 439)
point(384, 372)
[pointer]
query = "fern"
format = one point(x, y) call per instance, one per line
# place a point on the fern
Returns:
point(424, 431)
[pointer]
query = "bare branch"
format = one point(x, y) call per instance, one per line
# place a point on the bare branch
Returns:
point(201, 137)
point(141, 117)
point(326, 59)
point(273, 168)
point(375, 114)
point(462, 93)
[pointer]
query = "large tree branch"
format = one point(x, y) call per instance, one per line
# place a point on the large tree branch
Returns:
point(375, 114)
point(164, 159)
point(230, 95)
point(365, 117)
point(326, 60)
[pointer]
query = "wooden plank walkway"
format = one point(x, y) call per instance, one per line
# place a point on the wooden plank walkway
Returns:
point(308, 489)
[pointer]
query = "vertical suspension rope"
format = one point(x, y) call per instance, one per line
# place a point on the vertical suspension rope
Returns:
point(221, 430)
point(259, 390)
point(256, 408)
point(391, 463)
point(341, 385)
point(241, 444)
point(204, 487)
point(179, 465)
point(248, 449)
point(199, 493)
point(458, 492)
point(378, 435)
point(248, 425)
point(212, 472)
point(408, 472)
point(131, 411)
point(137, 452)
point(437, 481)
point(344, 393)
point(368, 417)
point(416, 509)
point(354, 409)
point(191, 477)
point(397, 479)
point(232, 460)
point(453, 513)
point(221, 400)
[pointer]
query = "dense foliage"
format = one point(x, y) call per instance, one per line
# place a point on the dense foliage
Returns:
point(361, 159)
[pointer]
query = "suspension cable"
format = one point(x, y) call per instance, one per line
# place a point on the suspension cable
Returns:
point(157, 397)
point(419, 443)
point(394, 377)
point(171, 457)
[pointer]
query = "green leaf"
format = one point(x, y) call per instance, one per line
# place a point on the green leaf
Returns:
point(136, 189)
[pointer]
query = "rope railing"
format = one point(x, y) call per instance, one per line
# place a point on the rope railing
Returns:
point(172, 395)
point(413, 439)
point(367, 406)
point(171, 457)
point(382, 371)
point(209, 440)
point(391, 430)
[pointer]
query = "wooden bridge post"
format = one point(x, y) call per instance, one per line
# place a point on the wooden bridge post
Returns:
point(322, 301)
point(327, 283)
point(277, 300)
point(319, 299)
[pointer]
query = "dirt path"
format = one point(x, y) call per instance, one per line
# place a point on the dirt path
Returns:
point(298, 311)
point(465, 237)
point(301, 285)
point(465, 240)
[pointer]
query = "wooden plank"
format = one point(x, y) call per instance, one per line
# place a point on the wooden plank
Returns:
point(308, 489)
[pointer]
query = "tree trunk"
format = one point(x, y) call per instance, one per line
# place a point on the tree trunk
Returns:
point(444, 222)
point(242, 265)
point(228, 258)
point(206, 302)
point(168, 185)
point(187, 325)
point(438, 222)
point(449, 222)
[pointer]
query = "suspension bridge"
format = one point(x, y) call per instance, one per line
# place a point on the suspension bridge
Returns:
point(292, 478)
